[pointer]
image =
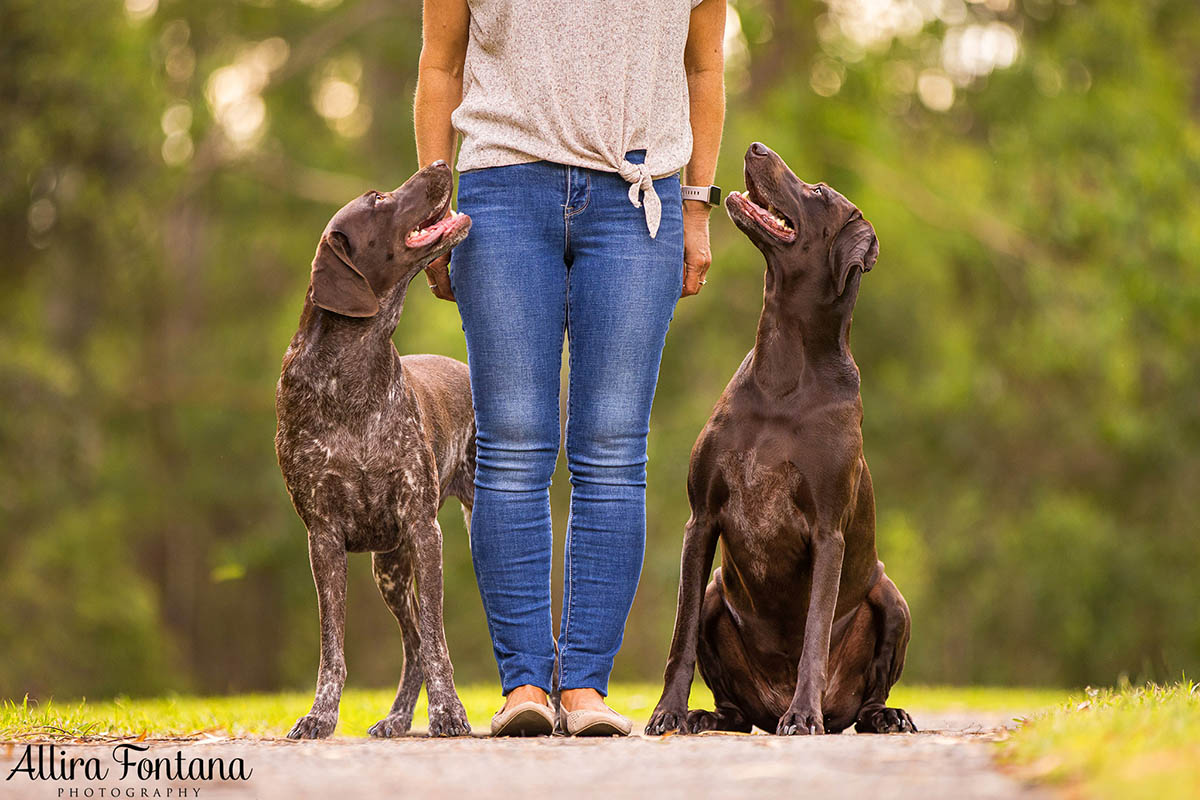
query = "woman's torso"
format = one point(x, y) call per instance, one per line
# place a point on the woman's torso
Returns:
point(576, 82)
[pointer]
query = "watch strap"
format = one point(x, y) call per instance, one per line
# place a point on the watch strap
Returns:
point(705, 194)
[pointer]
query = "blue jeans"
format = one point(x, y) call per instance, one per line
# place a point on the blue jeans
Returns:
point(552, 249)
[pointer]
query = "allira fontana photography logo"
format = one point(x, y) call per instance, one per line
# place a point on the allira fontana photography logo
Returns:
point(126, 763)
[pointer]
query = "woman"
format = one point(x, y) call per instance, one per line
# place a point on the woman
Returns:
point(575, 118)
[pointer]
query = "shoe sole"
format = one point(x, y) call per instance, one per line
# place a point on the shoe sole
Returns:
point(525, 723)
point(600, 728)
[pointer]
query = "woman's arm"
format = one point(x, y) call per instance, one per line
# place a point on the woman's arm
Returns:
point(704, 62)
point(439, 91)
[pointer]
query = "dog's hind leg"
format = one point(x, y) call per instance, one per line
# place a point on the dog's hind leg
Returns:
point(394, 577)
point(462, 485)
point(327, 554)
point(892, 626)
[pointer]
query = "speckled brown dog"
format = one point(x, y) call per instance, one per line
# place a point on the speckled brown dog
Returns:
point(800, 631)
point(370, 443)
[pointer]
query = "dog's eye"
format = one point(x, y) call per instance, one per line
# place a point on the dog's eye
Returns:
point(816, 190)
point(378, 197)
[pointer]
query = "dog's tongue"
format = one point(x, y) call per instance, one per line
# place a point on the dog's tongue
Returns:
point(424, 236)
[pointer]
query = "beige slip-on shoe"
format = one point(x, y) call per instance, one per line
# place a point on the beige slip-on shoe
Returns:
point(524, 719)
point(587, 722)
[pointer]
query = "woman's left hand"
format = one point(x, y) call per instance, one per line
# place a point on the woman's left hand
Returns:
point(697, 257)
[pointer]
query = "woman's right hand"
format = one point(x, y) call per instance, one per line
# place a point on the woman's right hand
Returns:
point(438, 273)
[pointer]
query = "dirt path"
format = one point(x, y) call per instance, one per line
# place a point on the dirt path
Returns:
point(951, 758)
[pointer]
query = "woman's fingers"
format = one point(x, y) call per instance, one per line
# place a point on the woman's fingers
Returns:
point(438, 273)
point(697, 256)
point(693, 278)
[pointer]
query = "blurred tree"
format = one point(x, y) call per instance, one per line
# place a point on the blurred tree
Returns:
point(1028, 340)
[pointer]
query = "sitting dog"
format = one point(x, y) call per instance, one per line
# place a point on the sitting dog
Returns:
point(370, 443)
point(800, 631)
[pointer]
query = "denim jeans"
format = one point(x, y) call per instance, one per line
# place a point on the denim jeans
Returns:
point(557, 249)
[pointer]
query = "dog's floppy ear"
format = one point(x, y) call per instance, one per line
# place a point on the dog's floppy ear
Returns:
point(337, 285)
point(855, 246)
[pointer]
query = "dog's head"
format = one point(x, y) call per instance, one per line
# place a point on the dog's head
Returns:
point(381, 240)
point(798, 225)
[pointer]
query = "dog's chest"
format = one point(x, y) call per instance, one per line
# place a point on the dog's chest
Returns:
point(762, 522)
point(356, 473)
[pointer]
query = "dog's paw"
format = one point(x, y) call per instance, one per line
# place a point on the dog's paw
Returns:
point(884, 720)
point(699, 721)
point(667, 720)
point(314, 725)
point(448, 719)
point(391, 725)
point(800, 723)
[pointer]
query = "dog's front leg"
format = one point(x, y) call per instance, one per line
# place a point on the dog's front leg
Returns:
point(447, 717)
point(699, 547)
point(804, 715)
point(327, 554)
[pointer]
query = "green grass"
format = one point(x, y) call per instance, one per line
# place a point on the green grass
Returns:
point(1127, 743)
point(273, 714)
point(244, 715)
point(973, 698)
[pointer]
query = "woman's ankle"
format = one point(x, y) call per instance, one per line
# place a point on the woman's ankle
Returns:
point(579, 699)
point(527, 693)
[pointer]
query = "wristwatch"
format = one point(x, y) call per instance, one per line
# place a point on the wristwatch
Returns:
point(705, 194)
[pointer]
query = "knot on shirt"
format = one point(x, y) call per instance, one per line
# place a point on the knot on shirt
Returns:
point(641, 183)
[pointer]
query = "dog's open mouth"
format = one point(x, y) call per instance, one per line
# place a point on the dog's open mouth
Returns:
point(429, 233)
point(757, 209)
point(437, 226)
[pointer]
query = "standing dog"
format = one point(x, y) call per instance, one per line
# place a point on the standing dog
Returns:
point(800, 631)
point(370, 443)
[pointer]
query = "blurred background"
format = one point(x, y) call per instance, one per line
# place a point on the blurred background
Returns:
point(1029, 340)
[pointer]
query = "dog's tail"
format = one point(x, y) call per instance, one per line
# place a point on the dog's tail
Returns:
point(467, 519)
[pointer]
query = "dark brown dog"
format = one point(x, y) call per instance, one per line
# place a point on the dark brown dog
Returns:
point(799, 631)
point(370, 443)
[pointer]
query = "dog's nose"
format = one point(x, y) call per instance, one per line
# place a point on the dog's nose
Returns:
point(758, 149)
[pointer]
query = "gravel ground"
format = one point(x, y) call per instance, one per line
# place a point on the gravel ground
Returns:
point(950, 758)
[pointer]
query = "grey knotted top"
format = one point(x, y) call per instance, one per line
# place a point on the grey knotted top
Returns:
point(641, 182)
point(579, 83)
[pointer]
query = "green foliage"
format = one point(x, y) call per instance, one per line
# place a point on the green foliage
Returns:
point(1027, 340)
point(1129, 743)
